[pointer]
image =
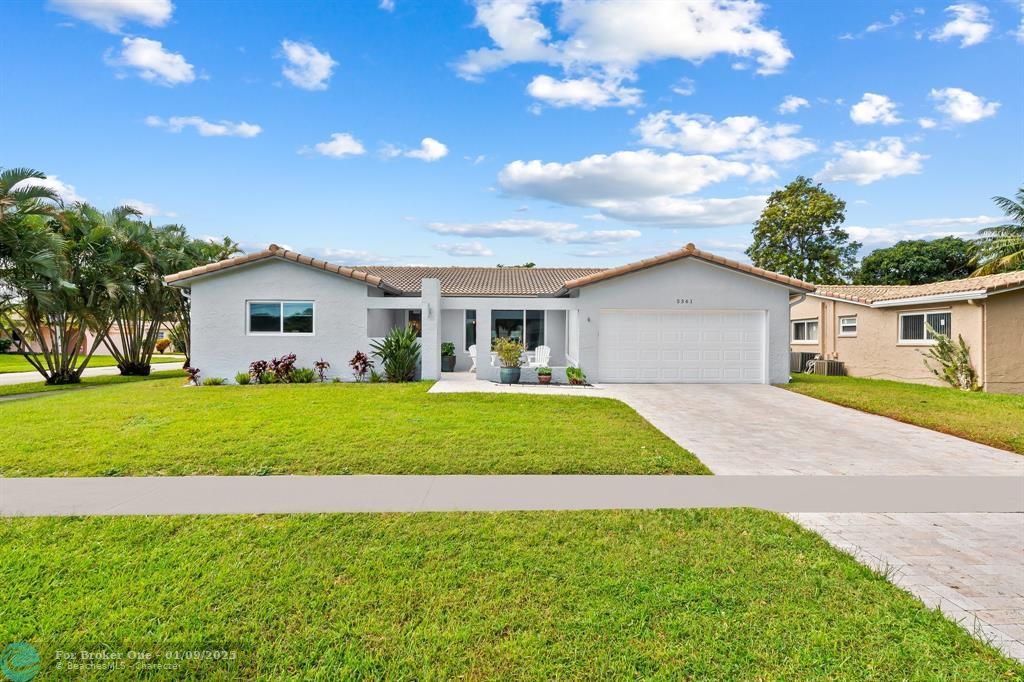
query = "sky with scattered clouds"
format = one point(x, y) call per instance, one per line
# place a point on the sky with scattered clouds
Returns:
point(474, 132)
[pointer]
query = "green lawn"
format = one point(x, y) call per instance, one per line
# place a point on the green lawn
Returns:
point(987, 418)
point(87, 382)
point(16, 362)
point(162, 428)
point(696, 594)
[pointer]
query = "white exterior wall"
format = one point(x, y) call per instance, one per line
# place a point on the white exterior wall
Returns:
point(708, 286)
point(221, 346)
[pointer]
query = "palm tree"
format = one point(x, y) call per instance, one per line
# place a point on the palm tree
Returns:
point(1001, 248)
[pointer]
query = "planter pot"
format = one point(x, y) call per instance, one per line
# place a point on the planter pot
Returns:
point(447, 363)
point(510, 375)
point(544, 378)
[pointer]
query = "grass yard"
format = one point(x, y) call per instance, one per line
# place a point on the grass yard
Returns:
point(694, 594)
point(988, 418)
point(87, 382)
point(162, 428)
point(16, 362)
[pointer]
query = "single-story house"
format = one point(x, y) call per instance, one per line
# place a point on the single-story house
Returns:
point(685, 316)
point(881, 331)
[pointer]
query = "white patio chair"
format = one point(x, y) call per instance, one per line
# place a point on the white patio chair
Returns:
point(541, 356)
point(472, 356)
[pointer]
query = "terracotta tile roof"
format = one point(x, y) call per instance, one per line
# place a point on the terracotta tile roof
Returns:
point(462, 281)
point(689, 251)
point(275, 251)
point(868, 294)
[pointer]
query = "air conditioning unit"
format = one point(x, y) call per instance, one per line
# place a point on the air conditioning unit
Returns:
point(798, 361)
point(830, 368)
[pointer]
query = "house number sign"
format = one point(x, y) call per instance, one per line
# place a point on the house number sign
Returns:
point(684, 301)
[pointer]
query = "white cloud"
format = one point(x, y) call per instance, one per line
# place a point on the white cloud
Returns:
point(878, 237)
point(792, 104)
point(465, 250)
point(973, 221)
point(895, 19)
point(674, 211)
point(339, 146)
point(970, 23)
point(685, 87)
point(874, 108)
point(587, 93)
point(1019, 33)
point(742, 137)
point(176, 124)
point(152, 62)
point(66, 192)
point(549, 231)
point(608, 41)
point(926, 123)
point(111, 15)
point(387, 5)
point(148, 210)
point(307, 68)
point(476, 160)
point(429, 150)
point(884, 158)
point(961, 106)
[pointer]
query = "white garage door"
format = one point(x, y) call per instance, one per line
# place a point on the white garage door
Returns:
point(657, 346)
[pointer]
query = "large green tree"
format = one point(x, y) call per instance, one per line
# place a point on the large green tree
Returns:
point(800, 234)
point(27, 247)
point(918, 261)
point(1001, 248)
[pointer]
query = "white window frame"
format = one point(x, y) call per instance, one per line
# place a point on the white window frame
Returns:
point(280, 302)
point(900, 341)
point(804, 342)
point(845, 319)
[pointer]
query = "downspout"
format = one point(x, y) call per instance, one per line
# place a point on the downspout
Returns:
point(983, 352)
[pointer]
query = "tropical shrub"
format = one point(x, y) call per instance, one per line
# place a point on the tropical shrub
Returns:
point(257, 368)
point(399, 352)
point(213, 381)
point(242, 378)
point(321, 366)
point(575, 375)
point(268, 377)
point(360, 364)
point(510, 353)
point(447, 349)
point(5, 345)
point(193, 375)
point(303, 375)
point(179, 340)
point(376, 377)
point(953, 360)
point(282, 367)
point(162, 345)
point(543, 371)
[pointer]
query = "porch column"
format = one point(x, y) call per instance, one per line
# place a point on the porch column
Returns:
point(430, 345)
point(484, 371)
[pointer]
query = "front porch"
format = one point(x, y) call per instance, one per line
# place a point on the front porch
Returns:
point(467, 382)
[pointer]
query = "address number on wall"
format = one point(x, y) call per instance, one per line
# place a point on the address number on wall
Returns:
point(684, 301)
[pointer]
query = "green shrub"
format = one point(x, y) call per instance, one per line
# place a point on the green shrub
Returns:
point(268, 377)
point(575, 375)
point(399, 352)
point(954, 362)
point(510, 353)
point(242, 378)
point(375, 377)
point(5, 345)
point(213, 381)
point(543, 371)
point(303, 375)
point(447, 349)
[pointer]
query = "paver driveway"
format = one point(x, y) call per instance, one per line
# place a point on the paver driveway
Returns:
point(755, 429)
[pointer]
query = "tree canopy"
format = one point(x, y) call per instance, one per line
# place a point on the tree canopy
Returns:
point(918, 261)
point(800, 234)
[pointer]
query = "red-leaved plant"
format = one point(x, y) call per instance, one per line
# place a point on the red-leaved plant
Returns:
point(256, 370)
point(193, 375)
point(360, 364)
point(282, 367)
point(321, 366)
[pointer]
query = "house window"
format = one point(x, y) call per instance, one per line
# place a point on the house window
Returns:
point(470, 328)
point(415, 320)
point(848, 325)
point(914, 327)
point(524, 326)
point(805, 331)
point(280, 317)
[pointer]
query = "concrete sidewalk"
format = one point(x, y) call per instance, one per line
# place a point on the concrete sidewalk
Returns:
point(301, 494)
point(32, 377)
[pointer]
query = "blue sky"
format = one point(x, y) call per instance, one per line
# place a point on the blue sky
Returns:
point(478, 133)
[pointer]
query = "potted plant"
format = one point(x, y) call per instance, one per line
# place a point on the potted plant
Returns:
point(447, 356)
point(575, 376)
point(510, 354)
point(544, 375)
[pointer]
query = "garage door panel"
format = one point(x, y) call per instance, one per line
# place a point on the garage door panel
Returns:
point(681, 346)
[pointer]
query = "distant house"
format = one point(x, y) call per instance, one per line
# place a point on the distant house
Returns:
point(880, 331)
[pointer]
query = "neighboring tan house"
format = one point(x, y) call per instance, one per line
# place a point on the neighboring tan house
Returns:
point(881, 331)
point(685, 316)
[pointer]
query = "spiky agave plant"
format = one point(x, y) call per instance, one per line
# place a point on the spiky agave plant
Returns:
point(399, 352)
point(953, 362)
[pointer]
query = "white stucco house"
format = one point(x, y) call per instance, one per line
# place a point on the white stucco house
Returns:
point(685, 316)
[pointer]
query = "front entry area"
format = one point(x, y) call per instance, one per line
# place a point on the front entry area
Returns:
point(674, 346)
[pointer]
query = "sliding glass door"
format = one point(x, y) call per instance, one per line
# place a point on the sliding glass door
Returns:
point(524, 326)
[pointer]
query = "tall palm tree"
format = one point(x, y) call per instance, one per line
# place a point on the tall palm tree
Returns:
point(1001, 248)
point(27, 249)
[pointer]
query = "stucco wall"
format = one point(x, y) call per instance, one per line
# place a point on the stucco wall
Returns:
point(453, 324)
point(709, 287)
point(220, 345)
point(875, 351)
point(1004, 342)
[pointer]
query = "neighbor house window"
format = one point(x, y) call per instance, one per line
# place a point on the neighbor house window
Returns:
point(524, 326)
point(280, 317)
point(914, 327)
point(848, 325)
point(470, 328)
point(805, 331)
